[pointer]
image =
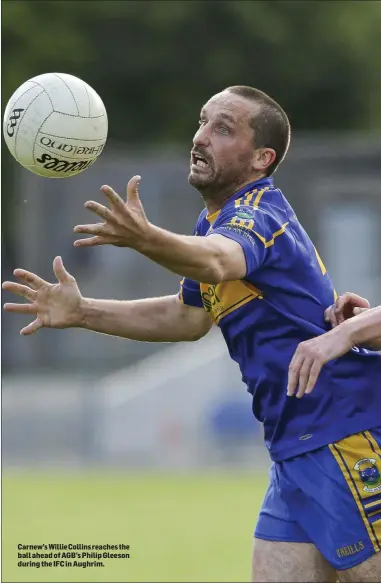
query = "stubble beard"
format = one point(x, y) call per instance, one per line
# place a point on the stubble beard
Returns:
point(220, 185)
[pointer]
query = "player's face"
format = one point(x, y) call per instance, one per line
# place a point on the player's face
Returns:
point(223, 151)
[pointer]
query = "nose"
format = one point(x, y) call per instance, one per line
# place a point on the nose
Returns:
point(201, 137)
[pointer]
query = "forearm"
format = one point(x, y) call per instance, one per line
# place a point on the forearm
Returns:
point(147, 320)
point(365, 329)
point(188, 256)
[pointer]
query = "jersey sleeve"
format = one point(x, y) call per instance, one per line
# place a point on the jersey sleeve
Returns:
point(190, 293)
point(248, 227)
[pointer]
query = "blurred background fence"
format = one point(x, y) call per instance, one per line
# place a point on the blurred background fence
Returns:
point(75, 398)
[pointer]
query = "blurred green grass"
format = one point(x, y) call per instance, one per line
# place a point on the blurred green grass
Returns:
point(179, 527)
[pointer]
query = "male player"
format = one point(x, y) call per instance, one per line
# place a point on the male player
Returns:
point(251, 269)
point(311, 355)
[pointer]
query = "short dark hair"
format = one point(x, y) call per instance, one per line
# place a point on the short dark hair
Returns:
point(271, 126)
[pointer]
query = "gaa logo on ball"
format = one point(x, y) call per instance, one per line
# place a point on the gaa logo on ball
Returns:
point(55, 125)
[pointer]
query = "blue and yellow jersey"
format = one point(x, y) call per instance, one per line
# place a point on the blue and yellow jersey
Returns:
point(264, 317)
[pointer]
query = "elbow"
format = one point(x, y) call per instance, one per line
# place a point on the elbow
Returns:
point(195, 337)
point(219, 274)
point(225, 264)
point(215, 273)
point(198, 333)
point(212, 277)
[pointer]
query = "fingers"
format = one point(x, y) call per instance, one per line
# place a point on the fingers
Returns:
point(346, 303)
point(357, 311)
point(304, 370)
point(97, 229)
point(113, 197)
point(313, 376)
point(21, 308)
point(304, 374)
point(29, 278)
point(133, 189)
point(339, 306)
point(94, 241)
point(31, 328)
point(344, 308)
point(20, 290)
point(60, 272)
point(100, 210)
point(293, 373)
point(330, 316)
point(355, 299)
point(117, 206)
point(111, 218)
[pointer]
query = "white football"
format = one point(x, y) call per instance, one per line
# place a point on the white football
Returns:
point(55, 125)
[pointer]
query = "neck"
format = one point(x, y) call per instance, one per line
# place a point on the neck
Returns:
point(215, 199)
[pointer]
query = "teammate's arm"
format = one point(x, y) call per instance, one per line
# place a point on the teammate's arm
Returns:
point(204, 259)
point(61, 305)
point(346, 306)
point(365, 328)
point(311, 355)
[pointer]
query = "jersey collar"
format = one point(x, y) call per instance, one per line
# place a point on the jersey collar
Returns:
point(257, 185)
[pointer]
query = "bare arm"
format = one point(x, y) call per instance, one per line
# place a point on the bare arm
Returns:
point(61, 305)
point(344, 309)
point(164, 319)
point(311, 355)
point(365, 328)
point(207, 259)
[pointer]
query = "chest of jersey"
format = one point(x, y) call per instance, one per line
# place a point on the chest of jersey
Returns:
point(224, 298)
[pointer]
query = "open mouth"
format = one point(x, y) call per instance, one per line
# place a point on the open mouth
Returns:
point(199, 161)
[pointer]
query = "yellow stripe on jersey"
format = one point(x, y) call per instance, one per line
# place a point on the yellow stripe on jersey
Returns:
point(213, 217)
point(371, 504)
point(234, 307)
point(247, 224)
point(247, 199)
point(321, 264)
point(259, 196)
point(181, 297)
point(350, 454)
point(224, 298)
point(373, 444)
point(270, 242)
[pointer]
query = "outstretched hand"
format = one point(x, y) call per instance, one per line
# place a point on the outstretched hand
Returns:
point(124, 223)
point(54, 305)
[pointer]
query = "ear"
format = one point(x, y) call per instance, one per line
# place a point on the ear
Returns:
point(263, 158)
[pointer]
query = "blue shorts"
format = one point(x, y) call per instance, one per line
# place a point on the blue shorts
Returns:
point(330, 497)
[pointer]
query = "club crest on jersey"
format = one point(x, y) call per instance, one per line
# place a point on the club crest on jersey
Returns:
point(245, 212)
point(369, 474)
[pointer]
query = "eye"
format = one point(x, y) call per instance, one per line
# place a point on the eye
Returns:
point(224, 130)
